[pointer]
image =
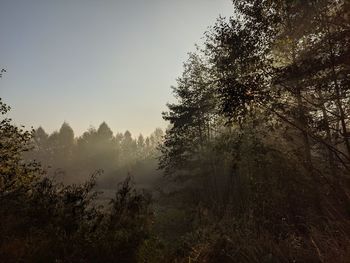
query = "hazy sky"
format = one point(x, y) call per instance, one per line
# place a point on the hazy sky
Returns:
point(88, 61)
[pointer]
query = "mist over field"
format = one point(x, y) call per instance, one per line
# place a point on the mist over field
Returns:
point(175, 131)
point(71, 159)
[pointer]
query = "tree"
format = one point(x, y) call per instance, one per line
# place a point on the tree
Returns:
point(192, 118)
point(65, 140)
point(141, 151)
point(45, 221)
point(128, 148)
point(278, 146)
point(40, 147)
point(104, 132)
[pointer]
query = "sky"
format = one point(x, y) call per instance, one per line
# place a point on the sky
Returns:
point(88, 61)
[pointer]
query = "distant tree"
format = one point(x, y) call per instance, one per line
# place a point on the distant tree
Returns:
point(40, 136)
point(65, 139)
point(141, 146)
point(40, 147)
point(128, 147)
point(105, 149)
point(140, 141)
point(104, 132)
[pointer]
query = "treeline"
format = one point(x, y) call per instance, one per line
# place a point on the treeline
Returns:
point(256, 157)
point(72, 159)
point(43, 220)
point(260, 137)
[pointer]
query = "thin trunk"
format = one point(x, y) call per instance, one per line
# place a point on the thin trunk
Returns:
point(303, 123)
point(328, 135)
point(302, 119)
point(338, 94)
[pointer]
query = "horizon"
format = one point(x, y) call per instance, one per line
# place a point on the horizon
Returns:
point(84, 63)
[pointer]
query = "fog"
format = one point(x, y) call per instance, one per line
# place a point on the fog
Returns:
point(115, 156)
point(243, 156)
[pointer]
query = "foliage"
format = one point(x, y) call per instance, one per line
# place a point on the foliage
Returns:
point(70, 159)
point(264, 158)
point(45, 221)
point(257, 156)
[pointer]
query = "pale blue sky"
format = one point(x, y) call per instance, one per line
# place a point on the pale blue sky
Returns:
point(88, 61)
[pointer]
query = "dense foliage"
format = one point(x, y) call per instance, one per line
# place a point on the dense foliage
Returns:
point(256, 156)
point(45, 221)
point(259, 135)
